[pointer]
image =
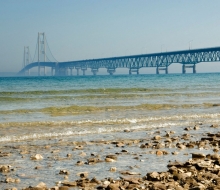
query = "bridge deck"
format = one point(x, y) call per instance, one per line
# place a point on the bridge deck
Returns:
point(135, 62)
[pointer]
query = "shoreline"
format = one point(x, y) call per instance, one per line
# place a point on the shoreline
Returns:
point(121, 163)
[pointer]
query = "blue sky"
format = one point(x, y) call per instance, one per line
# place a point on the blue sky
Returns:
point(84, 29)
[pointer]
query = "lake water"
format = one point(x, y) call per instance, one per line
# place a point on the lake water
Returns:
point(45, 107)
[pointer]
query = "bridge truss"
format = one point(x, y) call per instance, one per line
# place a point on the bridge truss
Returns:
point(161, 61)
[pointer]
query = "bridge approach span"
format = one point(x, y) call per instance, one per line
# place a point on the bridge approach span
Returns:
point(161, 61)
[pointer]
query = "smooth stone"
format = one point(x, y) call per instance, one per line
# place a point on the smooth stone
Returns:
point(70, 184)
point(64, 172)
point(109, 160)
point(157, 137)
point(159, 153)
point(113, 169)
point(36, 157)
point(83, 174)
point(198, 155)
point(41, 185)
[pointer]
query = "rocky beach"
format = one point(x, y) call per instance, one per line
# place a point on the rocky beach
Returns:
point(110, 132)
point(160, 159)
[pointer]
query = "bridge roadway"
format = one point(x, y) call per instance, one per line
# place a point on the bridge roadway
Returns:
point(161, 61)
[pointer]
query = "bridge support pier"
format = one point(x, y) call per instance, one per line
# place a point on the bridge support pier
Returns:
point(77, 70)
point(158, 69)
point(94, 71)
point(71, 71)
point(188, 66)
point(84, 71)
point(194, 68)
point(111, 70)
point(134, 70)
point(52, 68)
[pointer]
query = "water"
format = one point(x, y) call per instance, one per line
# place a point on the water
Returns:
point(41, 111)
point(41, 107)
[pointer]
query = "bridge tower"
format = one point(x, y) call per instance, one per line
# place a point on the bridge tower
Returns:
point(41, 52)
point(26, 59)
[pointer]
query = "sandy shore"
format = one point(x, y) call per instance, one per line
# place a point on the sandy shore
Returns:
point(159, 159)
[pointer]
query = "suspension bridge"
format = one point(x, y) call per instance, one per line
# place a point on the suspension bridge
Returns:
point(44, 59)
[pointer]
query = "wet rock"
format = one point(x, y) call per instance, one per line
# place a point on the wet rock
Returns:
point(125, 151)
point(80, 147)
point(5, 168)
point(158, 186)
point(176, 164)
point(129, 173)
point(198, 156)
point(157, 137)
point(64, 172)
point(175, 153)
point(214, 125)
point(196, 127)
point(187, 129)
point(112, 156)
point(159, 153)
point(93, 161)
point(36, 157)
point(106, 183)
point(82, 154)
point(127, 130)
point(204, 164)
point(64, 188)
point(79, 163)
point(113, 169)
point(154, 176)
point(42, 185)
point(143, 146)
point(180, 146)
point(159, 145)
point(119, 144)
point(17, 180)
point(66, 177)
point(109, 160)
point(69, 184)
point(113, 186)
point(4, 154)
point(190, 145)
point(37, 167)
point(9, 180)
point(208, 138)
point(69, 155)
point(214, 156)
point(55, 151)
point(47, 147)
point(94, 180)
point(83, 174)
point(131, 180)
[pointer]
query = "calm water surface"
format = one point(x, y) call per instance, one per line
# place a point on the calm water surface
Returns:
point(45, 107)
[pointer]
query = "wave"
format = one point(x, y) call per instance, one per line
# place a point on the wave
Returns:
point(77, 110)
point(84, 91)
point(71, 128)
point(110, 121)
